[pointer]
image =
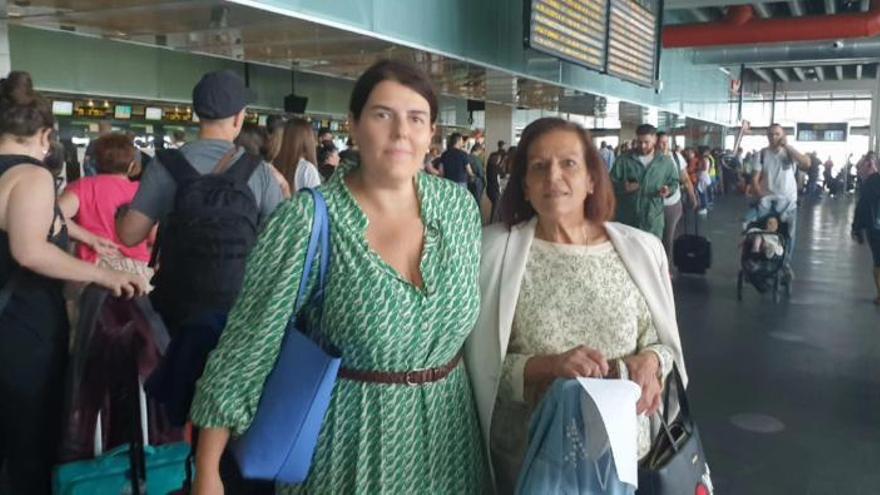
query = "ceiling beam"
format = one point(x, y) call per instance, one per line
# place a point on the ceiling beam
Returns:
point(839, 70)
point(762, 10)
point(859, 71)
point(847, 85)
point(700, 15)
point(782, 74)
point(813, 63)
point(763, 74)
point(693, 4)
point(799, 73)
point(152, 8)
point(830, 7)
point(797, 8)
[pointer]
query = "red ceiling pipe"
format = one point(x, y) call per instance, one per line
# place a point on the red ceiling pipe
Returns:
point(738, 15)
point(740, 27)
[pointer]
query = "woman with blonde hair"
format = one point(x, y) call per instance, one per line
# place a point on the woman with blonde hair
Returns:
point(297, 158)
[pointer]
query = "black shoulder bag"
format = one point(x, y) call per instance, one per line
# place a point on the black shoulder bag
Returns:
point(675, 464)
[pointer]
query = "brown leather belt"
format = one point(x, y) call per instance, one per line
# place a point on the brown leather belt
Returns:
point(415, 377)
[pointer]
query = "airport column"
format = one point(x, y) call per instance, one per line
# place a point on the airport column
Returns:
point(499, 125)
point(630, 118)
point(874, 140)
point(5, 63)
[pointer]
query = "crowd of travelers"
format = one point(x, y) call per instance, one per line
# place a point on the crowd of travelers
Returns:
point(445, 354)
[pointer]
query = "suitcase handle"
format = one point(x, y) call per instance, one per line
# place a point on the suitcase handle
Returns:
point(696, 221)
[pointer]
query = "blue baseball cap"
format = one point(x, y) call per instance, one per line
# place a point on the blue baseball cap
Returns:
point(220, 94)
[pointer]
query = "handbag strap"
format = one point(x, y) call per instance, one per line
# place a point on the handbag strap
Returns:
point(684, 415)
point(683, 406)
point(136, 456)
point(319, 239)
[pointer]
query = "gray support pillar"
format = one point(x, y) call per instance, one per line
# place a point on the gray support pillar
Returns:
point(874, 141)
point(773, 105)
point(5, 61)
point(631, 116)
point(499, 125)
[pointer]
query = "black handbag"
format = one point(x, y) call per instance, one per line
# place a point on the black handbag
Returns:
point(675, 465)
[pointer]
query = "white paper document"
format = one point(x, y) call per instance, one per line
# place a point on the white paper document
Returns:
point(616, 402)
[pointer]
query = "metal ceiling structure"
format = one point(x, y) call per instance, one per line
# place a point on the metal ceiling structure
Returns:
point(824, 60)
point(237, 32)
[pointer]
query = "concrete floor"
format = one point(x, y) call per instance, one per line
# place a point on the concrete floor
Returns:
point(802, 376)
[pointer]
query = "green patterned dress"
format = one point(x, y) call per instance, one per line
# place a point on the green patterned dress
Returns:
point(376, 438)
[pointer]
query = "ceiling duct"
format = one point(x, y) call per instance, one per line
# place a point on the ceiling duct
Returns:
point(790, 52)
point(741, 27)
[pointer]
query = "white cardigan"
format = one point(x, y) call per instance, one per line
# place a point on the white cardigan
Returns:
point(502, 267)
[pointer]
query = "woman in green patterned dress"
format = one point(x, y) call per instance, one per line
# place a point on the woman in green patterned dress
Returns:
point(402, 297)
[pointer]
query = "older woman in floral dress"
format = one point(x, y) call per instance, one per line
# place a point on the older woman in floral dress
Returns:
point(565, 294)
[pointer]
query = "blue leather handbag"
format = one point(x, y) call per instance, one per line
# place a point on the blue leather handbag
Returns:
point(281, 440)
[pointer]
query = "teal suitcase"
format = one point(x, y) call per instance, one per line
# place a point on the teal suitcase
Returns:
point(110, 474)
point(163, 467)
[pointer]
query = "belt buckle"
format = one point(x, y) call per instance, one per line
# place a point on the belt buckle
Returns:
point(408, 378)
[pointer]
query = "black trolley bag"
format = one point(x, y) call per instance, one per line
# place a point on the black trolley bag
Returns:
point(692, 253)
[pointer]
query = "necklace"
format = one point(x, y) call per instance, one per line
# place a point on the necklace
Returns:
point(586, 239)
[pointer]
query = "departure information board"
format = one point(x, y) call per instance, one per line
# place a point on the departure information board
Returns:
point(836, 131)
point(632, 40)
point(574, 30)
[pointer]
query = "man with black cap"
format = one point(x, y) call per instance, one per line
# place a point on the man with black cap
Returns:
point(203, 219)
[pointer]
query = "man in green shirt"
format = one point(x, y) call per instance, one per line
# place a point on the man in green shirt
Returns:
point(642, 180)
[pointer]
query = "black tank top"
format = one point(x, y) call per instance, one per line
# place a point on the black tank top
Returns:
point(31, 290)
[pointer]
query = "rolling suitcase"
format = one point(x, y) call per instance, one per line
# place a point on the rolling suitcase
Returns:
point(135, 468)
point(117, 342)
point(692, 253)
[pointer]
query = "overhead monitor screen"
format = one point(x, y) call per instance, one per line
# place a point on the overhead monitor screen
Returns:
point(122, 112)
point(632, 40)
point(153, 113)
point(833, 131)
point(62, 107)
point(573, 30)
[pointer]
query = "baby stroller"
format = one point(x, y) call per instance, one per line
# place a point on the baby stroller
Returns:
point(765, 273)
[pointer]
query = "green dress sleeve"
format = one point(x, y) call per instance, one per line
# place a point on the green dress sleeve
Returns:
point(230, 387)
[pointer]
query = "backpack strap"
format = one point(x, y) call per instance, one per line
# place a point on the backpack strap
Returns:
point(243, 168)
point(177, 165)
point(223, 165)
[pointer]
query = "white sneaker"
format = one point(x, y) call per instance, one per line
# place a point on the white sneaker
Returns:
point(703, 212)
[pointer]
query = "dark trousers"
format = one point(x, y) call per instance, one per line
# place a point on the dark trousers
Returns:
point(874, 243)
point(32, 365)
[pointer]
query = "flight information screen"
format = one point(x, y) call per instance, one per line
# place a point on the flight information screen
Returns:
point(632, 40)
point(574, 30)
point(836, 131)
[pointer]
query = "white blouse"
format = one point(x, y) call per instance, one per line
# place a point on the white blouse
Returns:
point(306, 175)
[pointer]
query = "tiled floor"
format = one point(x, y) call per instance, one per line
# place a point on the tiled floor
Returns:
point(810, 366)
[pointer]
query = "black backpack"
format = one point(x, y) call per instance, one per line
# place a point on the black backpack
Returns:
point(204, 242)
